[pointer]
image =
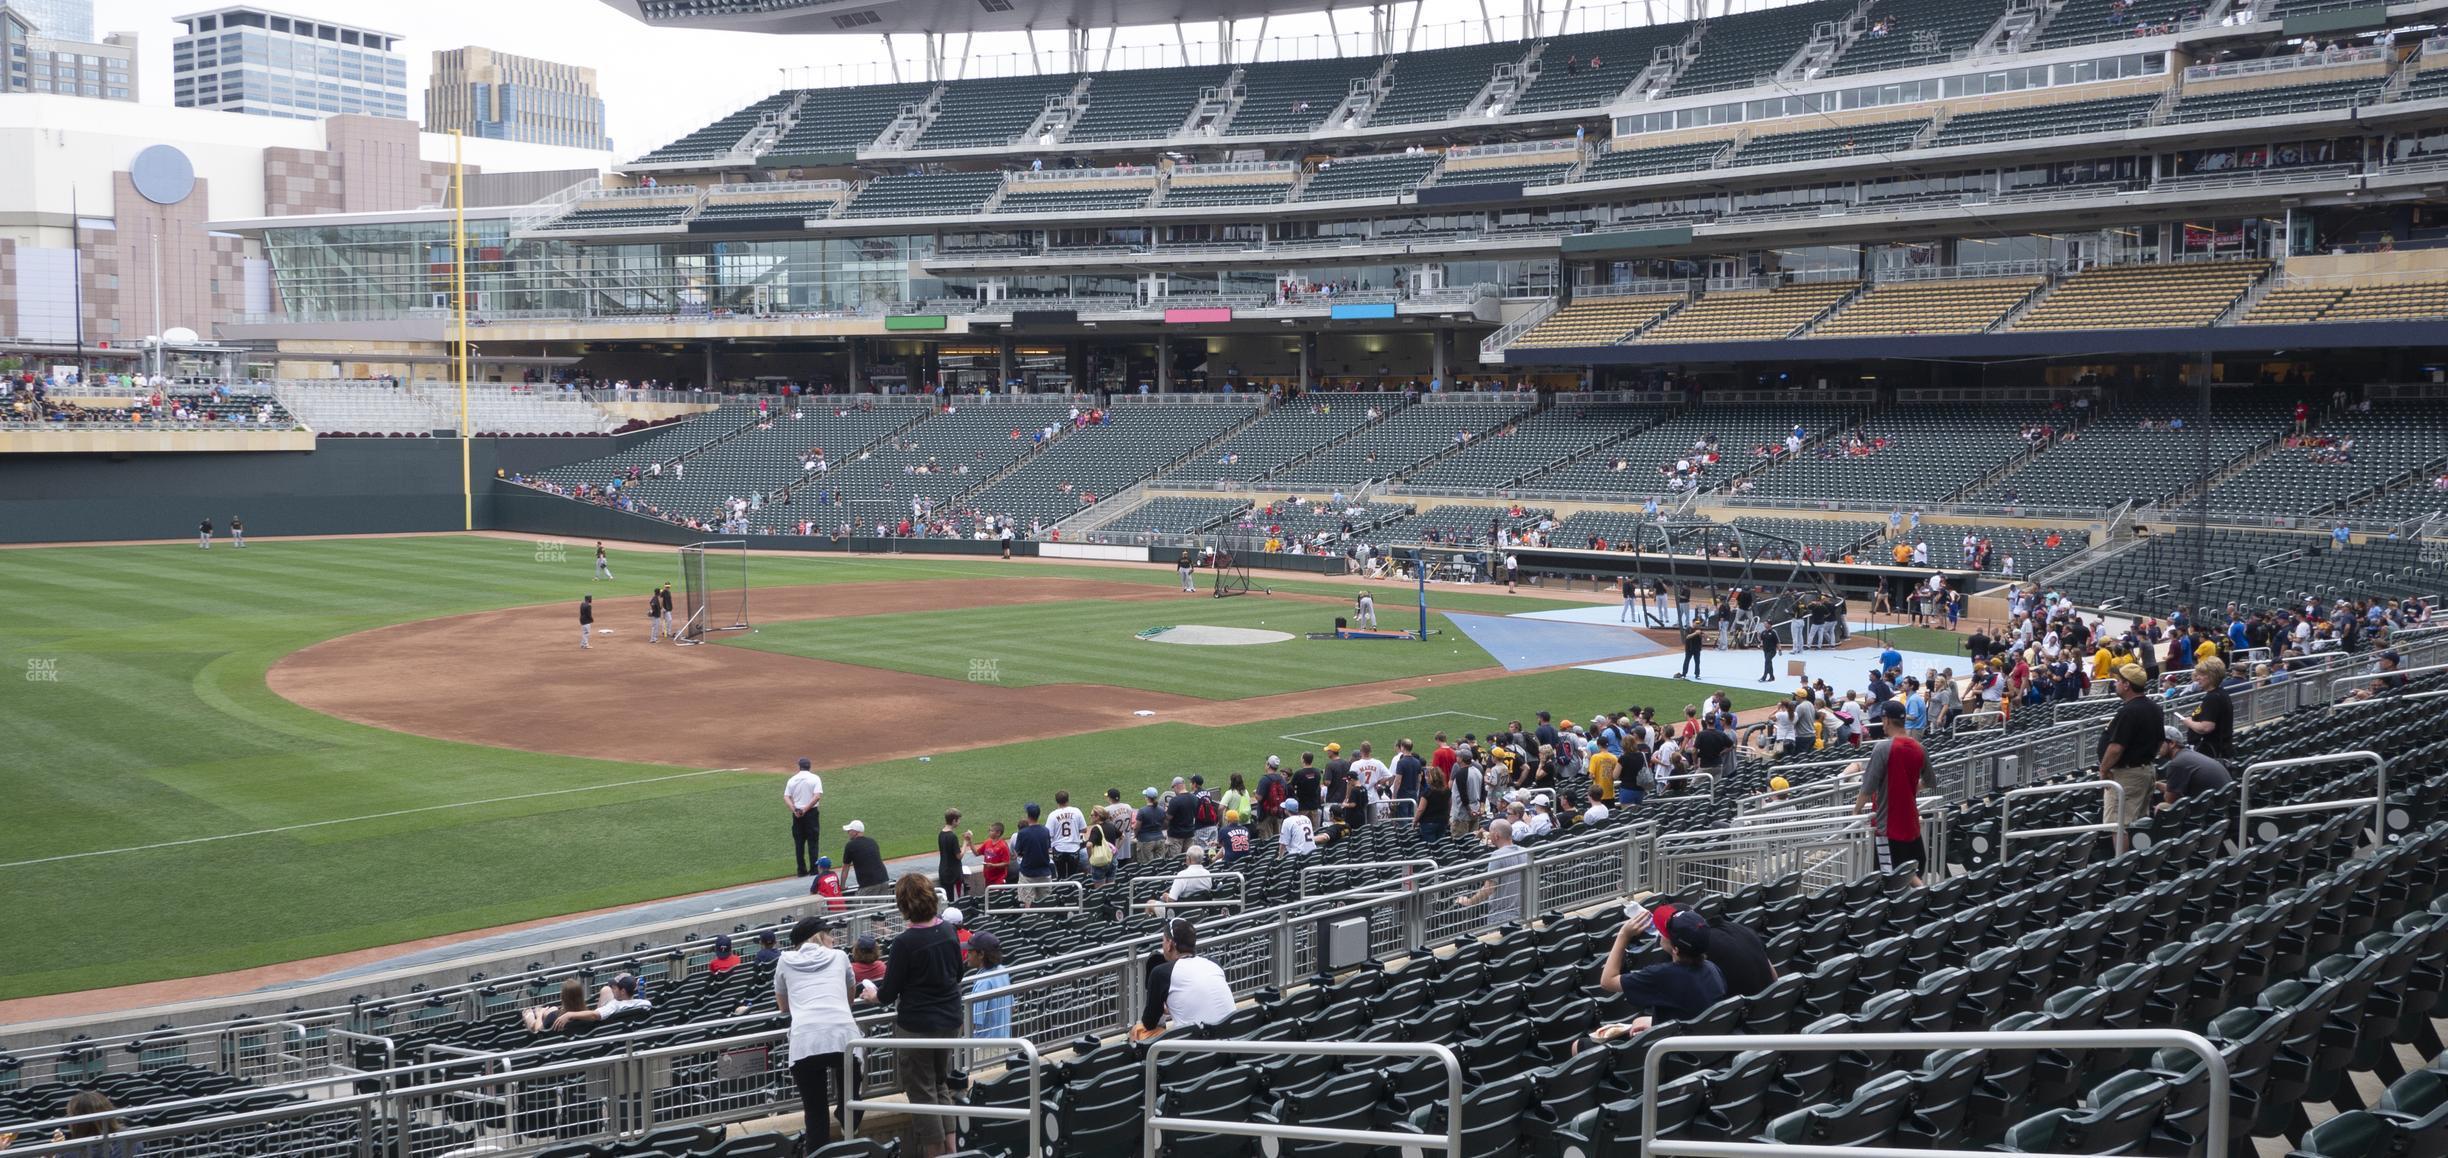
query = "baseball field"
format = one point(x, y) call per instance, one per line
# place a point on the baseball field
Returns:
point(229, 759)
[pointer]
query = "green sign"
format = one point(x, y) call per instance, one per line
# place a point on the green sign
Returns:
point(915, 321)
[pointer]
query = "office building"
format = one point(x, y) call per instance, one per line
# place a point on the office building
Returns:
point(272, 64)
point(58, 19)
point(503, 97)
point(38, 62)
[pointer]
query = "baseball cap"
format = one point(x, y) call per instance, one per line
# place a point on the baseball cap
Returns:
point(1891, 710)
point(855, 826)
point(1291, 805)
point(1778, 784)
point(824, 862)
point(1272, 762)
point(954, 916)
point(766, 938)
point(804, 765)
point(867, 941)
point(722, 943)
point(1032, 809)
point(1334, 747)
point(984, 942)
point(2175, 735)
point(1150, 793)
point(1688, 927)
point(626, 983)
point(1232, 816)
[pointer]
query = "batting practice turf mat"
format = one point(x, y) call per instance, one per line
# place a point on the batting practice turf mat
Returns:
point(233, 758)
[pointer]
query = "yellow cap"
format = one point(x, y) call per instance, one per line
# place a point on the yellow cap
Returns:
point(1777, 784)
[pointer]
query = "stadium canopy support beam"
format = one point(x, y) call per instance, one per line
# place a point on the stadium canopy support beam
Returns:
point(1164, 363)
point(1003, 363)
point(1308, 343)
point(1487, 23)
point(1411, 37)
point(892, 59)
point(1436, 353)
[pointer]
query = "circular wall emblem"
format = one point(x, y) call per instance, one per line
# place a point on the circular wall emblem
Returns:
point(163, 174)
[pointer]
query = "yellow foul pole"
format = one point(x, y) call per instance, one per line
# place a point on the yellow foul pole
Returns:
point(467, 478)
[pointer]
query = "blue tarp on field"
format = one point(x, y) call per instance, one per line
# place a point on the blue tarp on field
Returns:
point(1520, 644)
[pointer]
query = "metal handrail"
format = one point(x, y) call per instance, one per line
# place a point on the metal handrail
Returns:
point(1021, 905)
point(2112, 814)
point(2377, 801)
point(1451, 1143)
point(2214, 1070)
point(1033, 1113)
point(1413, 863)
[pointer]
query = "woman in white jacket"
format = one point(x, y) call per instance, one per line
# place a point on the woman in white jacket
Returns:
point(812, 984)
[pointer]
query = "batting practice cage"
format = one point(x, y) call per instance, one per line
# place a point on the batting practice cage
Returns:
point(714, 582)
point(1227, 557)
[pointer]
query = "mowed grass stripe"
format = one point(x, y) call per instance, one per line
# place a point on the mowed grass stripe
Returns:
point(1094, 642)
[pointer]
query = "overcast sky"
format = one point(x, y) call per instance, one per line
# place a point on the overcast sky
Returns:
point(659, 84)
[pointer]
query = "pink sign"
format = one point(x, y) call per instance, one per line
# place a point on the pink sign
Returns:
point(1180, 317)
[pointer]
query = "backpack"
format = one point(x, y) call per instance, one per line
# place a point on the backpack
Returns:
point(1207, 814)
point(1271, 792)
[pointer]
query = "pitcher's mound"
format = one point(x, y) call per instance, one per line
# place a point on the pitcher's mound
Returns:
point(1200, 634)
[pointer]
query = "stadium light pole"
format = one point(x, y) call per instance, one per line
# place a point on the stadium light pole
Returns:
point(467, 478)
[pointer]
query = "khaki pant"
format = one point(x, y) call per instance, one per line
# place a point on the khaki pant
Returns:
point(2137, 785)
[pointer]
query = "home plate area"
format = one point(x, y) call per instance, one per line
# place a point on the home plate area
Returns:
point(1201, 635)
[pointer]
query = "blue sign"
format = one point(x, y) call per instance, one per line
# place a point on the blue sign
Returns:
point(1361, 310)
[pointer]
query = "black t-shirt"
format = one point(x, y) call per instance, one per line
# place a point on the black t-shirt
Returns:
point(1307, 789)
point(2219, 742)
point(1181, 816)
point(586, 613)
point(1711, 744)
point(1742, 956)
point(866, 859)
point(2139, 726)
point(1977, 647)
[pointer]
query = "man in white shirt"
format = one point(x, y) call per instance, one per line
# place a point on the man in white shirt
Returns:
point(1193, 881)
point(1369, 770)
point(1069, 829)
point(1184, 989)
point(1298, 836)
point(803, 792)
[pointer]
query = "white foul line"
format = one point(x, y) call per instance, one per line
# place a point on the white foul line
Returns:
point(1295, 737)
point(369, 816)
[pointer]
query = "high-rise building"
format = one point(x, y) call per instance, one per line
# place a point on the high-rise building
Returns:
point(41, 62)
point(57, 19)
point(484, 93)
point(271, 64)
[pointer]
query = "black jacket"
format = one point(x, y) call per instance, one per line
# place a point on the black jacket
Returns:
point(923, 972)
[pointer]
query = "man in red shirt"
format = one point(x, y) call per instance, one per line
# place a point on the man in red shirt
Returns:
point(1892, 780)
point(1444, 757)
point(995, 853)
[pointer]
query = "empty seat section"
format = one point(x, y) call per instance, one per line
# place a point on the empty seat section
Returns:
point(1842, 141)
point(2344, 457)
point(1440, 85)
point(1285, 433)
point(2084, 21)
point(1380, 176)
point(844, 120)
point(1403, 439)
point(2059, 120)
point(1172, 515)
point(1928, 307)
point(2428, 85)
point(1296, 96)
point(617, 215)
point(2136, 451)
point(2286, 305)
point(2276, 100)
point(1532, 173)
point(1590, 70)
point(1598, 321)
point(1637, 465)
point(1905, 33)
point(977, 114)
point(2391, 301)
point(1089, 463)
point(924, 194)
point(1746, 49)
point(1236, 193)
point(1023, 199)
point(2121, 296)
point(719, 138)
point(1912, 452)
point(1532, 444)
point(1748, 315)
point(1621, 163)
point(1142, 104)
point(782, 210)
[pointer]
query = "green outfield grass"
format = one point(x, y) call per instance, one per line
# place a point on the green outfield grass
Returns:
point(165, 814)
point(1095, 641)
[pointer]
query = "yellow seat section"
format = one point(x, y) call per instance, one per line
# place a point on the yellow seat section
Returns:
point(2135, 296)
point(1598, 321)
point(1749, 315)
point(1928, 307)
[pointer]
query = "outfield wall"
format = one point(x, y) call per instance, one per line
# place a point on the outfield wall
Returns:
point(343, 486)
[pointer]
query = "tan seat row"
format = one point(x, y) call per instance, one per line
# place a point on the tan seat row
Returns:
point(1749, 315)
point(1928, 307)
point(2363, 303)
point(1598, 321)
point(2124, 297)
